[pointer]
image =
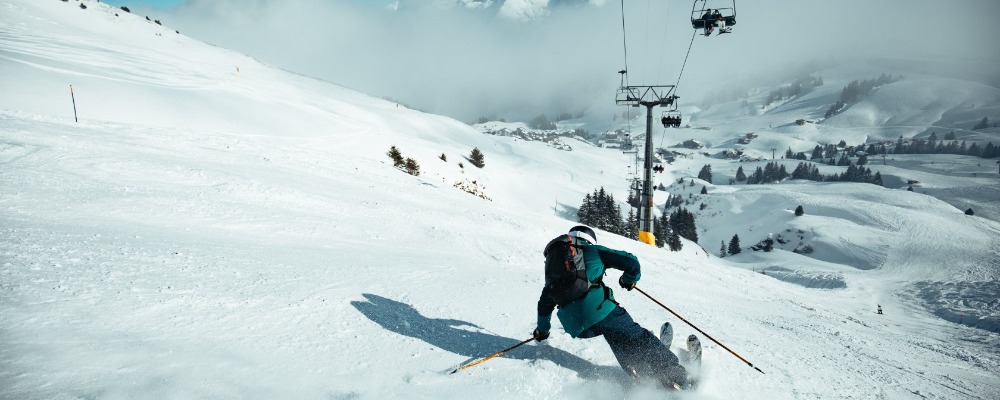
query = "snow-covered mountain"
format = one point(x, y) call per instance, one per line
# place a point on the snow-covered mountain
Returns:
point(217, 228)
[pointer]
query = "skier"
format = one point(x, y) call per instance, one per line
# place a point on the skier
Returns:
point(879, 309)
point(640, 353)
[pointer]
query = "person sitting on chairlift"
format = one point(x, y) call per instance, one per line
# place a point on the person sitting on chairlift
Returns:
point(720, 22)
point(671, 122)
point(707, 18)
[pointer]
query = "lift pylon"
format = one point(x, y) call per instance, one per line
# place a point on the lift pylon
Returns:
point(649, 97)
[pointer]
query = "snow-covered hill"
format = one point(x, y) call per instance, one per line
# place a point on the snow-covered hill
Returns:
point(216, 228)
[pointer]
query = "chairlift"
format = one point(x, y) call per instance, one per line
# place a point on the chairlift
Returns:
point(704, 15)
point(626, 97)
point(671, 119)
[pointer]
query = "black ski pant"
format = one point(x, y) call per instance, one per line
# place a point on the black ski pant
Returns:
point(640, 353)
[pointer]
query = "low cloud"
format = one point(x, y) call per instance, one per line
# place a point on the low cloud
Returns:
point(520, 58)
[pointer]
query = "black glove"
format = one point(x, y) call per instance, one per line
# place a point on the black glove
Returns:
point(539, 336)
point(625, 285)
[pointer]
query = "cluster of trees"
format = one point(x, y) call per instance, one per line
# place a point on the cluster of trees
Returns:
point(542, 122)
point(854, 173)
point(947, 146)
point(413, 168)
point(666, 235)
point(682, 222)
point(733, 248)
point(855, 90)
point(985, 123)
point(796, 88)
point(931, 145)
point(600, 210)
point(408, 164)
point(773, 172)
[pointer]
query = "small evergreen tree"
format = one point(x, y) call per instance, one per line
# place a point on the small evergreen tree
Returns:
point(799, 211)
point(412, 167)
point(740, 175)
point(985, 123)
point(674, 241)
point(586, 211)
point(443, 157)
point(396, 156)
point(722, 249)
point(969, 211)
point(706, 173)
point(477, 158)
point(661, 230)
point(704, 190)
point(734, 245)
point(632, 226)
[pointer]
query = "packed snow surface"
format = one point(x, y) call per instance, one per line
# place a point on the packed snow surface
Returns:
point(216, 228)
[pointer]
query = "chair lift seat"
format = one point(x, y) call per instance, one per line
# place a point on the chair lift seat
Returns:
point(700, 23)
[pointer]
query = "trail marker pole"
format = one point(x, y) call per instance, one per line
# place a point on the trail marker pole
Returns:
point(72, 96)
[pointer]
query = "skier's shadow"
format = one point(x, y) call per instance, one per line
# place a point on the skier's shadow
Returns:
point(443, 333)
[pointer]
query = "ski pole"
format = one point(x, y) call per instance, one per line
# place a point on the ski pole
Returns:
point(699, 330)
point(497, 354)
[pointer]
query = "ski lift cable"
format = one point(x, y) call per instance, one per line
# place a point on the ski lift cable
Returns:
point(624, 43)
point(666, 31)
point(693, 34)
point(646, 47)
point(628, 110)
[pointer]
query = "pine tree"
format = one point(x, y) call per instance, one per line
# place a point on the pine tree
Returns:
point(734, 245)
point(412, 167)
point(477, 158)
point(585, 214)
point(661, 230)
point(817, 153)
point(396, 156)
point(985, 123)
point(799, 211)
point(722, 249)
point(682, 221)
point(704, 190)
point(705, 174)
point(740, 175)
point(674, 241)
point(632, 226)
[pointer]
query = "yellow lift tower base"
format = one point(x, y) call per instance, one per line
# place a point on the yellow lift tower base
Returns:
point(647, 238)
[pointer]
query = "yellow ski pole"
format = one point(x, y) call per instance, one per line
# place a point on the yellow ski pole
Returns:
point(497, 354)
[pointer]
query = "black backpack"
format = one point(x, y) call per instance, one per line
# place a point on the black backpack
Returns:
point(565, 272)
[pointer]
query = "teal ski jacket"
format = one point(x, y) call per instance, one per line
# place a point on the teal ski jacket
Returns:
point(594, 306)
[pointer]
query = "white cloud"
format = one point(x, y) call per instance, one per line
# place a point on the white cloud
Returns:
point(469, 58)
point(524, 9)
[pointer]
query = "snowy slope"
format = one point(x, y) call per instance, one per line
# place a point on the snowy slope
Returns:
point(208, 233)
